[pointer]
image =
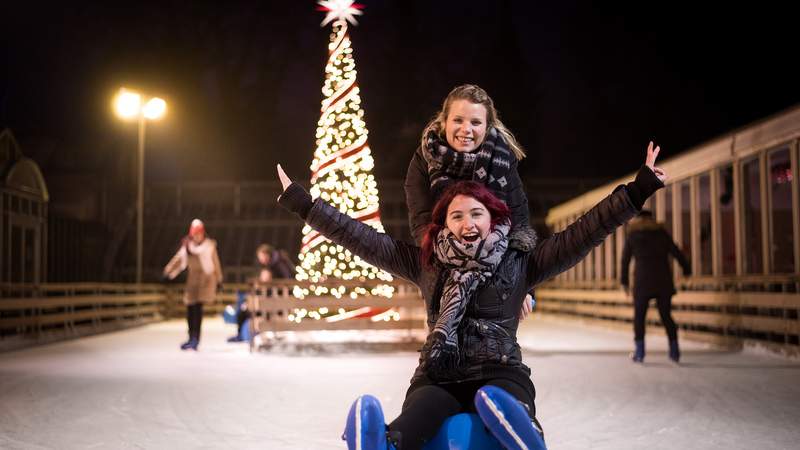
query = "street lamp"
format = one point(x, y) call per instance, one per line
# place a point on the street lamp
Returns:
point(128, 105)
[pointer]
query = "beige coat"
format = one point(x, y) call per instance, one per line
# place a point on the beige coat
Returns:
point(205, 271)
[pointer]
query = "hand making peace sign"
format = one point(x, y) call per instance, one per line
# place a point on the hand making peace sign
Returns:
point(650, 162)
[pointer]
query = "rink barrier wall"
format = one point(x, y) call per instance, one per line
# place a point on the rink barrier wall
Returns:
point(728, 319)
point(274, 303)
point(38, 314)
point(35, 314)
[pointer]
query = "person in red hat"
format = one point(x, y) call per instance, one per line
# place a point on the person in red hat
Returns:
point(198, 254)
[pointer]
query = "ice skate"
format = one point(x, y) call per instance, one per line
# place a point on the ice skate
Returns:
point(638, 354)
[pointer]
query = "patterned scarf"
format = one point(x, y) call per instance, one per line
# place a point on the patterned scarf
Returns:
point(488, 165)
point(468, 266)
point(203, 250)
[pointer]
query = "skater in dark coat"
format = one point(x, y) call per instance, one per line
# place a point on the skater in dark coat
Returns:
point(651, 246)
point(473, 284)
point(276, 261)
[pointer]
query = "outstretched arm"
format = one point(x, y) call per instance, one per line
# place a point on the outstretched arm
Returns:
point(378, 249)
point(565, 249)
point(177, 264)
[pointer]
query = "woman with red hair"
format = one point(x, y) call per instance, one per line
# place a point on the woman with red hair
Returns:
point(474, 284)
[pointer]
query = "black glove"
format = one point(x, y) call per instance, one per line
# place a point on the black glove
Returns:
point(297, 200)
point(643, 186)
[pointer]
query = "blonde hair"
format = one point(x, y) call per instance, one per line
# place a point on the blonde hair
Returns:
point(472, 94)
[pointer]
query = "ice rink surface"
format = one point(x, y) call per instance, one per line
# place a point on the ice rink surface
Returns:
point(135, 389)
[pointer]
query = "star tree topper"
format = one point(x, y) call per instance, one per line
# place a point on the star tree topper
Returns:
point(340, 10)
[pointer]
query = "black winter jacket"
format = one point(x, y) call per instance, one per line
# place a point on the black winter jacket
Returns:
point(488, 330)
point(650, 244)
point(420, 201)
point(281, 265)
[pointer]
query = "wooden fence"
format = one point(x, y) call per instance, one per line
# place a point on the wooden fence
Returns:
point(41, 313)
point(726, 318)
point(277, 310)
point(33, 314)
point(36, 314)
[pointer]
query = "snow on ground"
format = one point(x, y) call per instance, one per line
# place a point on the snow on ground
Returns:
point(136, 389)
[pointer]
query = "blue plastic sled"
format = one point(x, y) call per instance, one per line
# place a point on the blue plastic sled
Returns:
point(463, 432)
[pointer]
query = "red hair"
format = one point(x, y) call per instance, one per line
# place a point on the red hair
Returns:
point(497, 209)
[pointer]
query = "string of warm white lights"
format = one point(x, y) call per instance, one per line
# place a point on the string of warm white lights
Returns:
point(341, 175)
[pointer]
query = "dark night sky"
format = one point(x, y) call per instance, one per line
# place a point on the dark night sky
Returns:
point(583, 87)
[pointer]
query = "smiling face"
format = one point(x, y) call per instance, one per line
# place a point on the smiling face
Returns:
point(465, 125)
point(468, 219)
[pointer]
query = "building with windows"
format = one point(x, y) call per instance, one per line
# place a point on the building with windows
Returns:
point(732, 206)
point(23, 206)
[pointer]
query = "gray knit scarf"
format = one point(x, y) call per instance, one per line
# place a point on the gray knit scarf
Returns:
point(488, 165)
point(468, 267)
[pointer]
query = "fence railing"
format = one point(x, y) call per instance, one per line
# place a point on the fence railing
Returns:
point(275, 310)
point(724, 317)
point(32, 314)
point(741, 283)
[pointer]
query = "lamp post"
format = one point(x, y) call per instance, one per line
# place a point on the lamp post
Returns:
point(128, 105)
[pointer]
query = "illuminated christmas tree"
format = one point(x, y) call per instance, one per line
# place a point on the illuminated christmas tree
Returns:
point(341, 169)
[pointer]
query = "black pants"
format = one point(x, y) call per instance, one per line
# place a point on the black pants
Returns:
point(194, 317)
point(427, 407)
point(664, 304)
point(241, 316)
